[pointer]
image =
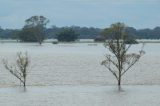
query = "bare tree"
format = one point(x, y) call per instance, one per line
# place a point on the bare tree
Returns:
point(119, 61)
point(19, 70)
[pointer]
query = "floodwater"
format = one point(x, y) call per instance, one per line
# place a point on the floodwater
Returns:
point(71, 75)
point(80, 96)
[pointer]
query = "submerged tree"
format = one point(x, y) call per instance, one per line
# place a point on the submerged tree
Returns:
point(119, 61)
point(20, 69)
point(34, 29)
point(67, 35)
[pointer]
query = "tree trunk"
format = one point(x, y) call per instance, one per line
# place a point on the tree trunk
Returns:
point(119, 83)
point(40, 42)
point(119, 76)
point(24, 84)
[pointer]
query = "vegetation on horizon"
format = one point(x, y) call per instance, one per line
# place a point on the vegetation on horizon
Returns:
point(84, 32)
point(67, 35)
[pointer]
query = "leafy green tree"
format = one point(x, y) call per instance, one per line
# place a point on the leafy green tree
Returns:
point(67, 35)
point(34, 29)
point(27, 35)
point(118, 61)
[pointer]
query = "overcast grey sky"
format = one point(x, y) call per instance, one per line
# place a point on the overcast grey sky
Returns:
point(95, 13)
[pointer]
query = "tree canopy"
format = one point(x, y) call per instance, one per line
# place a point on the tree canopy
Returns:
point(85, 32)
point(34, 29)
point(114, 33)
point(67, 35)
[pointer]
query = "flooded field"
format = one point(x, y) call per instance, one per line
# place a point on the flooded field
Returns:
point(81, 96)
point(71, 75)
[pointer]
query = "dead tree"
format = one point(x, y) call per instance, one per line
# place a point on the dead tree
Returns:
point(20, 69)
point(118, 61)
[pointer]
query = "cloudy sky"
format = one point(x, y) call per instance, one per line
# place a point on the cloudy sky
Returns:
point(96, 13)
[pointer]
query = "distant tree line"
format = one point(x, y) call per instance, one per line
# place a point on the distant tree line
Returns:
point(145, 33)
point(9, 33)
point(84, 32)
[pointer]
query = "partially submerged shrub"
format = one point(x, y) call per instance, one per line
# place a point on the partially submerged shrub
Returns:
point(119, 61)
point(55, 42)
point(100, 39)
point(20, 69)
